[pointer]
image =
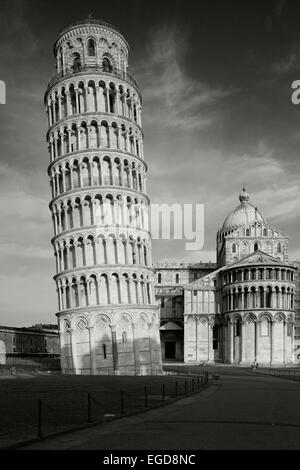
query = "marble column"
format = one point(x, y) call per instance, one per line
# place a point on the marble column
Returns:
point(92, 350)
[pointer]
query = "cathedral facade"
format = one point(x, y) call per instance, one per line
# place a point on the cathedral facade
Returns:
point(108, 320)
point(242, 311)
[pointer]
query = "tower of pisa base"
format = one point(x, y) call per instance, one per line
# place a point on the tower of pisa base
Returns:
point(108, 321)
point(100, 347)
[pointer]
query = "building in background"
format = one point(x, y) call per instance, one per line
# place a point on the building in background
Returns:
point(29, 341)
point(169, 291)
point(243, 309)
point(108, 320)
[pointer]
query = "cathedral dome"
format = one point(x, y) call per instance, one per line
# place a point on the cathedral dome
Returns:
point(242, 215)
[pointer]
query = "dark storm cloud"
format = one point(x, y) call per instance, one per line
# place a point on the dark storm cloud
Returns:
point(216, 82)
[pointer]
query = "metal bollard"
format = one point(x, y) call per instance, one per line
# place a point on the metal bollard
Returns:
point(122, 402)
point(89, 408)
point(39, 433)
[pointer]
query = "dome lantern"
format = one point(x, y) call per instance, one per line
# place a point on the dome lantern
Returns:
point(244, 196)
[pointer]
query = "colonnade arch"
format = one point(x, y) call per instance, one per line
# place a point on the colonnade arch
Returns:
point(104, 289)
point(91, 95)
point(95, 133)
point(93, 170)
point(101, 210)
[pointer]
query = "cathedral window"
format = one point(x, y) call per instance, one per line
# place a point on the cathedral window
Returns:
point(104, 351)
point(238, 328)
point(159, 278)
point(265, 232)
point(91, 48)
point(256, 247)
point(269, 297)
point(234, 248)
point(261, 297)
point(124, 337)
point(177, 279)
point(279, 248)
point(248, 232)
point(215, 337)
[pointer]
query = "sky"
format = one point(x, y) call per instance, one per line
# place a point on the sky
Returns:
point(216, 79)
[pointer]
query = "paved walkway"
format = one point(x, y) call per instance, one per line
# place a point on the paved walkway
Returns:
point(240, 411)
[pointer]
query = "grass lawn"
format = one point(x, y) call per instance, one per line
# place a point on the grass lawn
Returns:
point(65, 400)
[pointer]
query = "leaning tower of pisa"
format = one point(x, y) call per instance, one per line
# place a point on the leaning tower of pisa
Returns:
point(108, 323)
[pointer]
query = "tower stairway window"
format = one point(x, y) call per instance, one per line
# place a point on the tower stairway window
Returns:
point(76, 63)
point(91, 48)
point(106, 65)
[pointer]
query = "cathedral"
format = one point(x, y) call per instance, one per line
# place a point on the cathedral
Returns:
point(240, 310)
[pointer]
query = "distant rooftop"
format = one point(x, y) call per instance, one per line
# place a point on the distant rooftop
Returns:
point(173, 264)
point(30, 329)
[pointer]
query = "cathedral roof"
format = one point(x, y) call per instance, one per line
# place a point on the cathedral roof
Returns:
point(243, 215)
point(205, 282)
point(170, 326)
point(258, 258)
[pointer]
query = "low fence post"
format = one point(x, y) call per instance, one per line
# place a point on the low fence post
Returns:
point(39, 418)
point(146, 397)
point(89, 408)
point(163, 392)
point(198, 383)
point(122, 402)
point(176, 389)
point(185, 389)
point(193, 384)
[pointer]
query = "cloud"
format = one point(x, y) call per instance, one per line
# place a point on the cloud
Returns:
point(24, 251)
point(288, 63)
point(16, 31)
point(279, 8)
point(215, 178)
point(172, 98)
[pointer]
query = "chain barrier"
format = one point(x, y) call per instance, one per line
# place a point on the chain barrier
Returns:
point(92, 408)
